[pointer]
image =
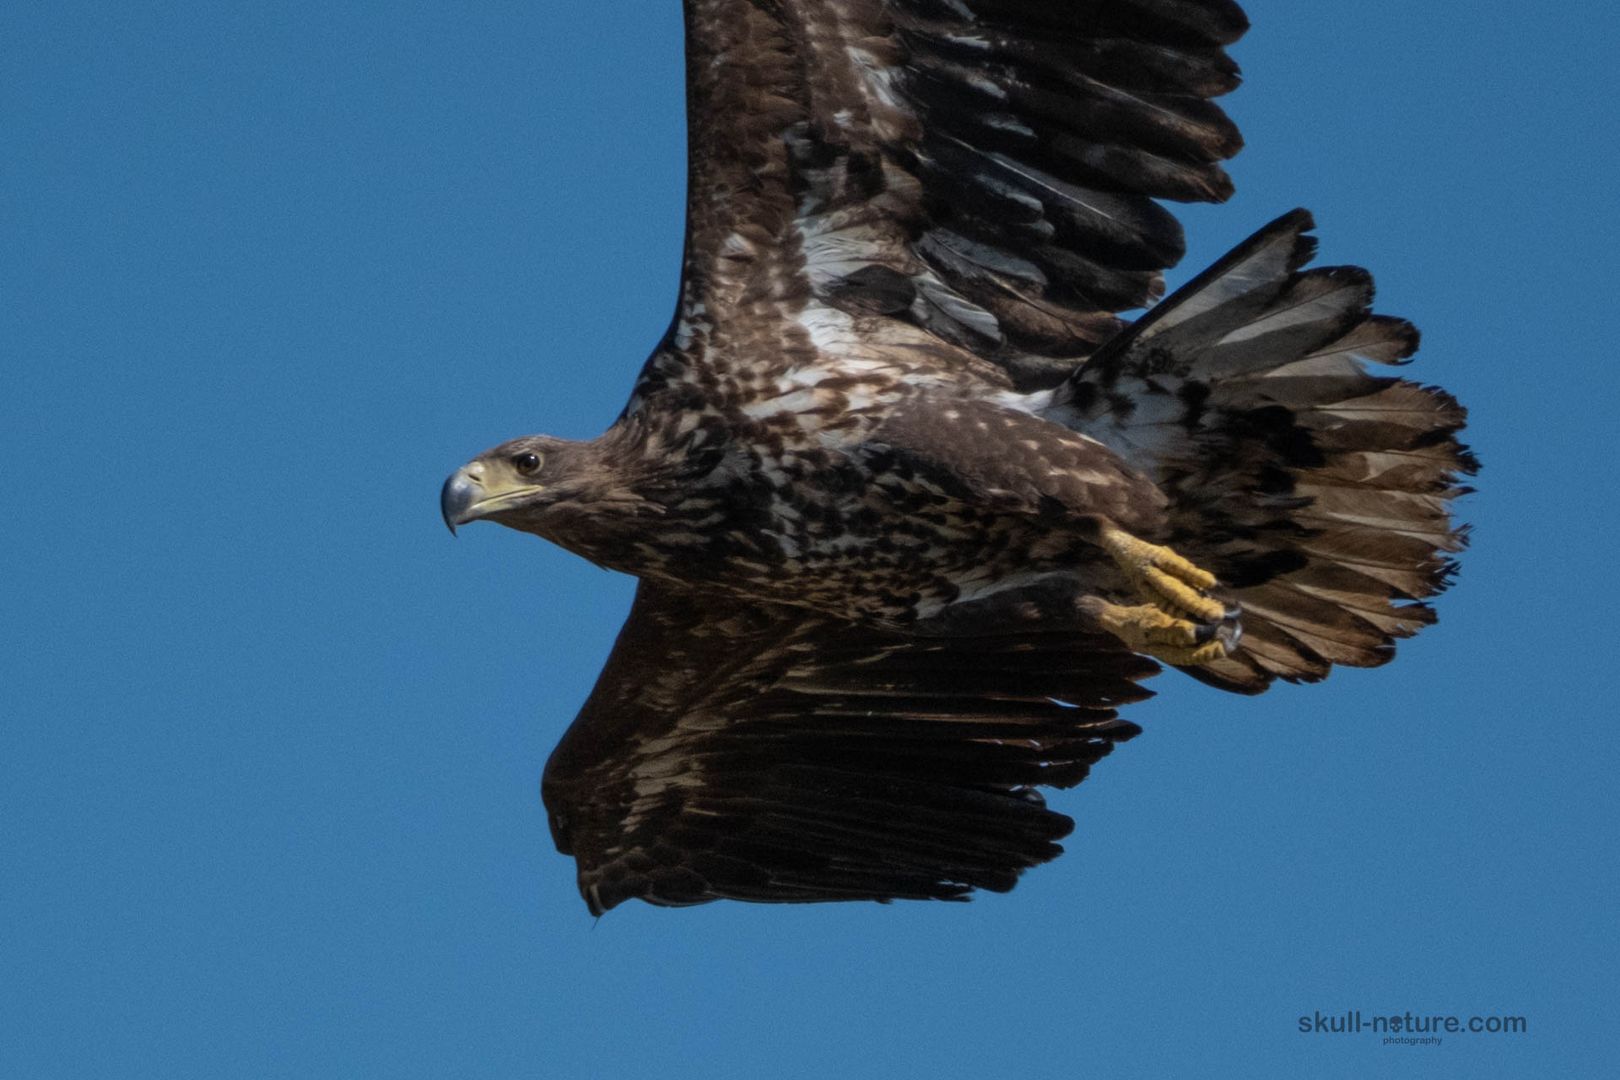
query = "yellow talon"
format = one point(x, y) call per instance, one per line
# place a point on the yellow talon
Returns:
point(1179, 595)
point(1181, 623)
point(1148, 629)
point(1162, 573)
point(1167, 560)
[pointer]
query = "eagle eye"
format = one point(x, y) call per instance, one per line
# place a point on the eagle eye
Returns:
point(526, 463)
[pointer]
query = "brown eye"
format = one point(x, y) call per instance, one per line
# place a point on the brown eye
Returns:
point(526, 463)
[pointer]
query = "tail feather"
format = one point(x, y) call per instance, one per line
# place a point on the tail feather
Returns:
point(1319, 492)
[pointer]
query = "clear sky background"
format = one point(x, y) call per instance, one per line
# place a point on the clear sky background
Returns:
point(270, 739)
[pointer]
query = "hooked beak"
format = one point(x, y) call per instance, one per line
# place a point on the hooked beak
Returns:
point(461, 492)
point(481, 488)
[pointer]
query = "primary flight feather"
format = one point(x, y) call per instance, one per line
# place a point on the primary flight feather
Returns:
point(910, 505)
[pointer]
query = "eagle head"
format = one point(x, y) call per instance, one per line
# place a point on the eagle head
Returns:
point(519, 483)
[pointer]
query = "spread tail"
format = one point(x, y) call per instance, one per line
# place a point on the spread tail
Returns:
point(1317, 492)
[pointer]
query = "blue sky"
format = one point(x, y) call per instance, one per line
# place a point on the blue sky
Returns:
point(270, 739)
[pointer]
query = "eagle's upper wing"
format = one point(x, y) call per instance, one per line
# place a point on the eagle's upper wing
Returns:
point(983, 170)
point(747, 753)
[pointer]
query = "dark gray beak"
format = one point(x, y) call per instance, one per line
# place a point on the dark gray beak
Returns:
point(457, 497)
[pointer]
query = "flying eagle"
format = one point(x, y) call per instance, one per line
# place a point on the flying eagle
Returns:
point(913, 510)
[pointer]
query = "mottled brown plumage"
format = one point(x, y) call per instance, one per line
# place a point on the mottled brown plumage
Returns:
point(901, 487)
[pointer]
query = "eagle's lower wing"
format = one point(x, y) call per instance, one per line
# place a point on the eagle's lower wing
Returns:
point(763, 754)
point(983, 170)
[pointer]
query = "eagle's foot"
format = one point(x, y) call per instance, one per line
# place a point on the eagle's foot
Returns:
point(1150, 629)
point(1164, 578)
point(1181, 623)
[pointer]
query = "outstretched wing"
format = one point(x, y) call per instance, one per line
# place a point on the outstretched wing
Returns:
point(975, 177)
point(754, 754)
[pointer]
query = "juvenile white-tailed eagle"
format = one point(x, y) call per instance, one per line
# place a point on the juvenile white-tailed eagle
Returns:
point(910, 505)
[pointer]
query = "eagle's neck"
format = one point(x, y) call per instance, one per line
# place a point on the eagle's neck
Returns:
point(622, 501)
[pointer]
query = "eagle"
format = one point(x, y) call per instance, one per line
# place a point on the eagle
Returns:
point(913, 509)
